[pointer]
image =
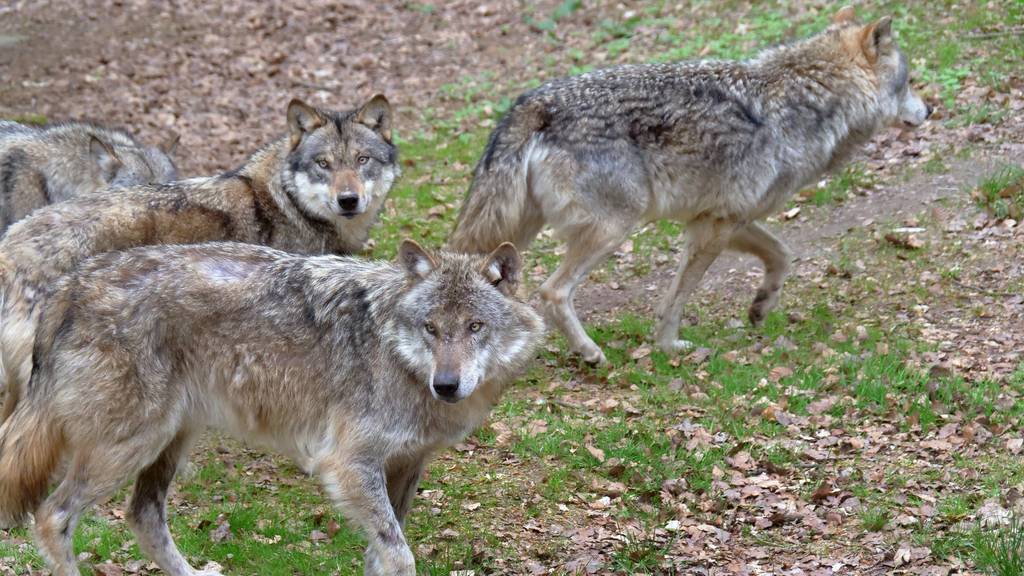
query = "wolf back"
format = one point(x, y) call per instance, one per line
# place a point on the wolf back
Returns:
point(40, 166)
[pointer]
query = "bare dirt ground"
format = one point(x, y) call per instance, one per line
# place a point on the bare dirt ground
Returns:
point(221, 74)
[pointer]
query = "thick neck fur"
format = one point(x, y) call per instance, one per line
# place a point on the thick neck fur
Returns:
point(816, 84)
point(266, 173)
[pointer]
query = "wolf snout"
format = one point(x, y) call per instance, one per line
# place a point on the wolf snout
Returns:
point(446, 385)
point(348, 202)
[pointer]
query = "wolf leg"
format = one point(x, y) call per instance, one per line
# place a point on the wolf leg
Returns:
point(587, 248)
point(86, 483)
point(755, 239)
point(402, 482)
point(147, 516)
point(358, 487)
point(705, 240)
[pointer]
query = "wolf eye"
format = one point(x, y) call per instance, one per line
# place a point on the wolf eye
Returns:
point(475, 327)
point(323, 163)
point(430, 328)
point(363, 159)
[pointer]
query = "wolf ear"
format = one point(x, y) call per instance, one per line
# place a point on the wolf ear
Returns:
point(877, 38)
point(302, 119)
point(844, 16)
point(502, 267)
point(418, 263)
point(170, 144)
point(376, 115)
point(102, 153)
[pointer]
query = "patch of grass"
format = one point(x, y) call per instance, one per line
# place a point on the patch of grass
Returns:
point(1002, 193)
point(34, 119)
point(640, 556)
point(1000, 552)
point(874, 519)
point(839, 187)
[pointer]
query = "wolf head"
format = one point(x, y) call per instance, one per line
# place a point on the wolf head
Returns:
point(340, 163)
point(458, 324)
point(123, 162)
point(874, 49)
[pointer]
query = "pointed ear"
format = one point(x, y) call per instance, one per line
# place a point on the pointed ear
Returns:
point(170, 144)
point(302, 119)
point(102, 153)
point(502, 268)
point(877, 38)
point(844, 16)
point(418, 263)
point(376, 115)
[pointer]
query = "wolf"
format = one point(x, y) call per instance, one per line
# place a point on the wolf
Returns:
point(316, 190)
point(717, 145)
point(358, 370)
point(43, 165)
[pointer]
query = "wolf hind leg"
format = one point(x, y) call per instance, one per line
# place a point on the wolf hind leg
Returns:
point(87, 482)
point(147, 515)
point(757, 240)
point(705, 240)
point(588, 246)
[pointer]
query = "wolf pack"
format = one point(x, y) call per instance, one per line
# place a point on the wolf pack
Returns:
point(138, 309)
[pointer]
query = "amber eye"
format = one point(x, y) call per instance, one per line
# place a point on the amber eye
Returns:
point(363, 159)
point(476, 327)
point(323, 163)
point(430, 328)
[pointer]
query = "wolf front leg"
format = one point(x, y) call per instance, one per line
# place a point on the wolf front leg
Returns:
point(402, 481)
point(358, 487)
point(705, 240)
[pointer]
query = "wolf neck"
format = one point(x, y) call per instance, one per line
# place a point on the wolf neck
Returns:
point(811, 92)
point(283, 222)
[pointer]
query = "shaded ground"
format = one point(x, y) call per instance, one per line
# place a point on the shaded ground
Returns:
point(872, 426)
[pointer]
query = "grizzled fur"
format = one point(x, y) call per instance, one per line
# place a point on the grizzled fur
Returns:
point(40, 166)
point(358, 370)
point(294, 195)
point(718, 145)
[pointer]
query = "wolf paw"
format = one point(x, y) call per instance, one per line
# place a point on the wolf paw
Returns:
point(593, 356)
point(676, 346)
point(756, 314)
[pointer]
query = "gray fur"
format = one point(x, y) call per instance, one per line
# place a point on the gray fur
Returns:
point(325, 359)
point(718, 145)
point(40, 166)
point(278, 198)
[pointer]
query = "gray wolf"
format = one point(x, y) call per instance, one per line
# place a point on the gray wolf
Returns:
point(40, 166)
point(316, 190)
point(358, 370)
point(717, 145)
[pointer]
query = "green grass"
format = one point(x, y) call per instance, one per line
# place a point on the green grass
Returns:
point(1002, 193)
point(874, 519)
point(1000, 552)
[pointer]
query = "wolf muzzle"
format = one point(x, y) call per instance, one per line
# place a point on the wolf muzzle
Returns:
point(446, 386)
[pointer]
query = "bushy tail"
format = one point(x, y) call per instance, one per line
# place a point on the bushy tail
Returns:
point(498, 207)
point(17, 329)
point(32, 441)
point(31, 445)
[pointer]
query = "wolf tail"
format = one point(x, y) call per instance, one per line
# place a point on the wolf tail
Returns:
point(499, 206)
point(32, 440)
point(31, 446)
point(16, 336)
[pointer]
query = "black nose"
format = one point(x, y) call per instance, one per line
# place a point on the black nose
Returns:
point(348, 201)
point(446, 384)
point(928, 110)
